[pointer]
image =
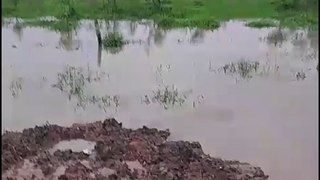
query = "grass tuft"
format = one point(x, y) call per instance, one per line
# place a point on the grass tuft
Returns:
point(262, 24)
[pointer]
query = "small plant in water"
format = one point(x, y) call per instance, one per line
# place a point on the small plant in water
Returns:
point(169, 96)
point(74, 82)
point(242, 68)
point(301, 75)
point(16, 87)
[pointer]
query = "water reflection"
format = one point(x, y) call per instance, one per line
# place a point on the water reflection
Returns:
point(18, 29)
point(99, 40)
point(133, 27)
point(277, 37)
point(159, 35)
point(68, 42)
point(197, 36)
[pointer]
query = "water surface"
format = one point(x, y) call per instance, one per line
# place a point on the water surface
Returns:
point(266, 115)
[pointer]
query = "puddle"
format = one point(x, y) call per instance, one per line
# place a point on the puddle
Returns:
point(266, 110)
point(78, 145)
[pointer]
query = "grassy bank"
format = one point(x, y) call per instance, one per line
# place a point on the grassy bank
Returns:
point(169, 13)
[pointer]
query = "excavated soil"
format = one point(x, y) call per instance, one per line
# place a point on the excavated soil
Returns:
point(118, 153)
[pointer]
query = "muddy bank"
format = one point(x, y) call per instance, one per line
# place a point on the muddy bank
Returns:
point(118, 153)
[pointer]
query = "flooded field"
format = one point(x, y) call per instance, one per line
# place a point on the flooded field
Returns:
point(249, 94)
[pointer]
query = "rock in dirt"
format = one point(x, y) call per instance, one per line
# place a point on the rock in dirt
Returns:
point(119, 153)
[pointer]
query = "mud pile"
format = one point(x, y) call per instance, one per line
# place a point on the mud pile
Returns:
point(119, 153)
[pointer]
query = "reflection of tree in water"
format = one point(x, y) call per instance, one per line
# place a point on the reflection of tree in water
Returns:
point(276, 37)
point(159, 36)
point(133, 27)
point(18, 29)
point(300, 40)
point(313, 35)
point(156, 34)
point(304, 43)
point(197, 36)
point(67, 41)
point(147, 46)
point(111, 27)
point(115, 26)
point(99, 40)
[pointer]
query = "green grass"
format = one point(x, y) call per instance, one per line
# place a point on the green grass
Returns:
point(113, 40)
point(176, 13)
point(262, 23)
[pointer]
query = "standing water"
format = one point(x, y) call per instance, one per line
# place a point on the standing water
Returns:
point(243, 93)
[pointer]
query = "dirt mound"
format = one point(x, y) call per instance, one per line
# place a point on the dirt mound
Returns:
point(119, 153)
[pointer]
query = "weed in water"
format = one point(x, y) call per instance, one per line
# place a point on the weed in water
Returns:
point(168, 96)
point(300, 75)
point(244, 69)
point(74, 82)
point(16, 87)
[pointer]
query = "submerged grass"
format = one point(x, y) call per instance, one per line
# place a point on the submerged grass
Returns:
point(74, 82)
point(56, 25)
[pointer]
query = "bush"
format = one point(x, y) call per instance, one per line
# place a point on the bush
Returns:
point(113, 40)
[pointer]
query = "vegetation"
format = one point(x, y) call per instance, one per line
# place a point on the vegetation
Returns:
point(113, 40)
point(170, 13)
point(56, 25)
point(167, 96)
point(262, 24)
point(74, 82)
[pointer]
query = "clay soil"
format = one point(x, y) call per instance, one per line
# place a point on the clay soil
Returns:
point(119, 153)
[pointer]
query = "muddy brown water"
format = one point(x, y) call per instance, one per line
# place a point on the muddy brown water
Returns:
point(268, 118)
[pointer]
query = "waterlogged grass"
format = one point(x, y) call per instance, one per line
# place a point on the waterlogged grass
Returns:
point(262, 24)
point(56, 25)
point(74, 82)
point(167, 23)
point(167, 96)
